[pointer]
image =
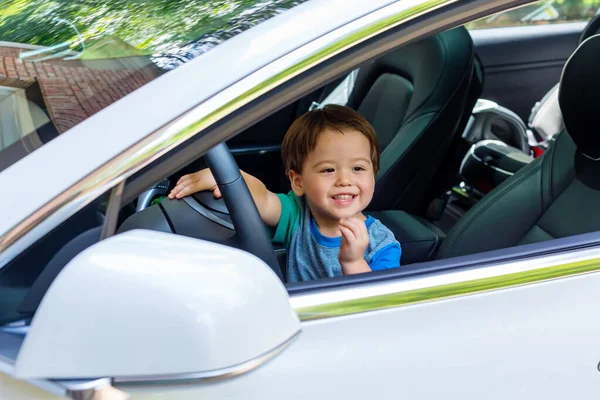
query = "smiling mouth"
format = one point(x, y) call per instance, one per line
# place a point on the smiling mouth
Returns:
point(344, 198)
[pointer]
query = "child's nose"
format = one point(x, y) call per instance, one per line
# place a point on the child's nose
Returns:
point(343, 179)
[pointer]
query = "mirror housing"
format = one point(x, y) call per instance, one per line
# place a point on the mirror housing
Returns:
point(146, 303)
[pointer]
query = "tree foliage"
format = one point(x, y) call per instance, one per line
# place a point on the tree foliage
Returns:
point(170, 30)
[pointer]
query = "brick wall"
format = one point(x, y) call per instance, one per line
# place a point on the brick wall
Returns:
point(10, 52)
point(71, 93)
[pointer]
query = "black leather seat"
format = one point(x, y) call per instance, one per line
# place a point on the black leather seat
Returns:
point(558, 194)
point(417, 98)
point(591, 29)
point(545, 119)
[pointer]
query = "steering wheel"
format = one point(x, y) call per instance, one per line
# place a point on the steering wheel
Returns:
point(242, 209)
point(243, 216)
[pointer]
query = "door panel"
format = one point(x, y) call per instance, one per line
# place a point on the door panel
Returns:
point(538, 341)
point(522, 63)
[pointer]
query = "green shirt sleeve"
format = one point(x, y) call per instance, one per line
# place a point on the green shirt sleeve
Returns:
point(289, 220)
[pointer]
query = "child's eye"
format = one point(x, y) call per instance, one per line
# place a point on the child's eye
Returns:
point(358, 168)
point(327, 170)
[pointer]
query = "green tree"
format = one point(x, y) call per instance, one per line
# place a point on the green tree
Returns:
point(176, 29)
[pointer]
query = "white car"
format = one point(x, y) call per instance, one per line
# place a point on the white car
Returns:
point(109, 290)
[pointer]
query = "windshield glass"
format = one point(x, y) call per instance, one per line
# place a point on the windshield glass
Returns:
point(62, 61)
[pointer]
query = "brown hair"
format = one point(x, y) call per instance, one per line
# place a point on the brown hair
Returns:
point(301, 137)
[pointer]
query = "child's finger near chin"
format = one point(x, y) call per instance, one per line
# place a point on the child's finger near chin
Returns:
point(344, 232)
point(344, 227)
point(355, 226)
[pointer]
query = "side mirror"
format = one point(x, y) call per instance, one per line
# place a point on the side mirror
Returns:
point(146, 303)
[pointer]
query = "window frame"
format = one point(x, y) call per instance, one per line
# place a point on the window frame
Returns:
point(222, 116)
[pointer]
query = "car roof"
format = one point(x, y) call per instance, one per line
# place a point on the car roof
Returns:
point(43, 175)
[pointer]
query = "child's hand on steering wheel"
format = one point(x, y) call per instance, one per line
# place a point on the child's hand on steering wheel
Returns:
point(196, 182)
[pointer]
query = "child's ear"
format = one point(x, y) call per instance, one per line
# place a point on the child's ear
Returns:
point(296, 182)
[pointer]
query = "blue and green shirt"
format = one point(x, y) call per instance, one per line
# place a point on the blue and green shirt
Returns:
point(311, 255)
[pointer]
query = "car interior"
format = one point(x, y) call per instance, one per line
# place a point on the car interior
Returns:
point(460, 174)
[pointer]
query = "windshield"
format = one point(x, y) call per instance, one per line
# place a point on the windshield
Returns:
point(62, 61)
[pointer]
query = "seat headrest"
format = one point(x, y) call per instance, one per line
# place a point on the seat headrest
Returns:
point(591, 28)
point(579, 97)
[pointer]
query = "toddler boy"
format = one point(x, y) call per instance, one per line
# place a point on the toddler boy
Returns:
point(331, 157)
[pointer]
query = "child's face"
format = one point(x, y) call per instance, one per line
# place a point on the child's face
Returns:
point(337, 176)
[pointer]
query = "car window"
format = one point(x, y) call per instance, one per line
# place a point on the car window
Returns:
point(61, 62)
point(541, 13)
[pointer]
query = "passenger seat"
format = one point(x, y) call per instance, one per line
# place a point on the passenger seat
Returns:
point(546, 120)
point(418, 98)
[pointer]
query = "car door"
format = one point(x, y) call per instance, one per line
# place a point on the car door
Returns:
point(519, 329)
point(524, 50)
point(459, 329)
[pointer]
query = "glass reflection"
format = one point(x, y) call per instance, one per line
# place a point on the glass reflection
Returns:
point(63, 61)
